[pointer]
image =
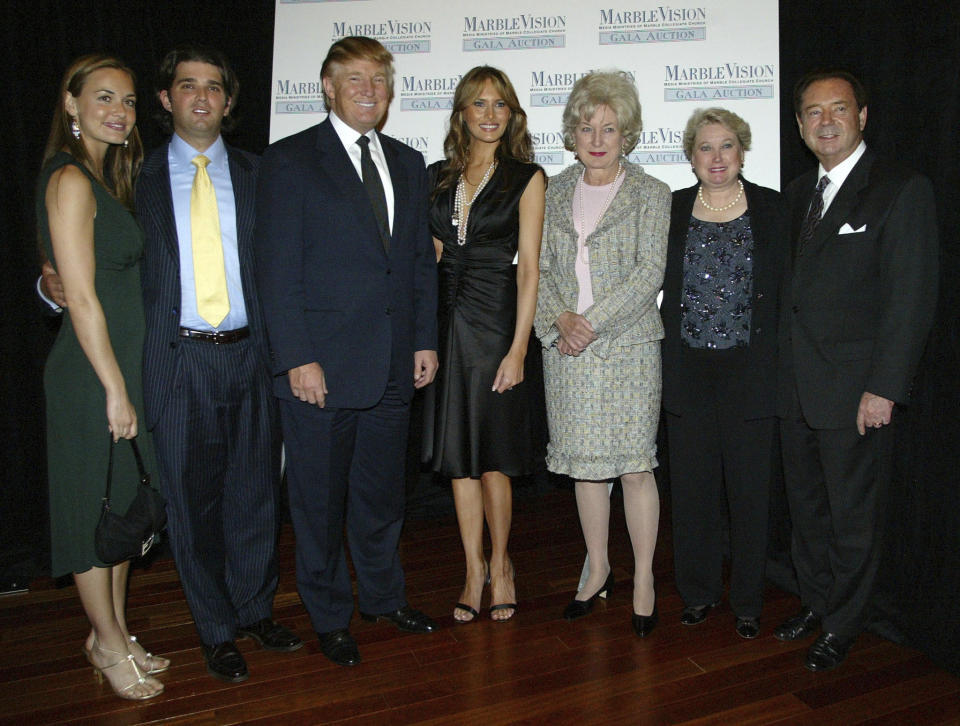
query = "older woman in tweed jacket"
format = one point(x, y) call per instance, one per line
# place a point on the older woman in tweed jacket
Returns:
point(601, 267)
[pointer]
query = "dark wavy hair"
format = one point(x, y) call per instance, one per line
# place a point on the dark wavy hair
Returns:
point(121, 163)
point(828, 74)
point(188, 53)
point(515, 143)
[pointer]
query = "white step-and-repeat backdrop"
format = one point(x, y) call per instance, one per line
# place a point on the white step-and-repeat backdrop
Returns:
point(682, 56)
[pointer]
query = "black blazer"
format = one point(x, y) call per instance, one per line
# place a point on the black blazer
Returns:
point(161, 271)
point(330, 292)
point(768, 220)
point(857, 307)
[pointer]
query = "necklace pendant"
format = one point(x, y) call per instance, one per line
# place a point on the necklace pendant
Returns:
point(455, 220)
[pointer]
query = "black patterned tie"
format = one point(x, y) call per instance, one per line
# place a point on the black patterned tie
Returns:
point(812, 219)
point(374, 186)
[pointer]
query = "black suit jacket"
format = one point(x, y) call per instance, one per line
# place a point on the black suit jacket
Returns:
point(857, 307)
point(330, 292)
point(757, 394)
point(161, 270)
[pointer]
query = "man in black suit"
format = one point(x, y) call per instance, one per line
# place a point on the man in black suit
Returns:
point(858, 302)
point(206, 381)
point(347, 275)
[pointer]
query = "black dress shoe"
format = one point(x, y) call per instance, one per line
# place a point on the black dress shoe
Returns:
point(696, 614)
point(406, 618)
point(827, 652)
point(643, 624)
point(576, 609)
point(748, 628)
point(271, 635)
point(225, 662)
point(340, 647)
point(798, 627)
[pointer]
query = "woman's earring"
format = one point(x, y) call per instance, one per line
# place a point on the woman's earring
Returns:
point(75, 128)
point(126, 144)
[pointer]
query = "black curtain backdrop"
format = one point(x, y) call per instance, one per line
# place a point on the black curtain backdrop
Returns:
point(908, 55)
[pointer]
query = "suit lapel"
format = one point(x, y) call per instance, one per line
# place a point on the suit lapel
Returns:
point(344, 179)
point(842, 205)
point(156, 200)
point(401, 194)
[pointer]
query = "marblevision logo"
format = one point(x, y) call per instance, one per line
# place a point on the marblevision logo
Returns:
point(426, 93)
point(518, 32)
point(397, 36)
point(552, 87)
point(420, 143)
point(547, 147)
point(661, 24)
point(722, 82)
point(295, 96)
point(659, 146)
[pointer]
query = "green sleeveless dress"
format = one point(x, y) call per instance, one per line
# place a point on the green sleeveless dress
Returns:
point(78, 441)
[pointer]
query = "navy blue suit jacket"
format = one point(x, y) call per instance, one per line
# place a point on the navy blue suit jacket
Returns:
point(330, 292)
point(161, 270)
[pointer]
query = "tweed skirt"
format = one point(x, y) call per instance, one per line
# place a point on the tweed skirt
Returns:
point(603, 413)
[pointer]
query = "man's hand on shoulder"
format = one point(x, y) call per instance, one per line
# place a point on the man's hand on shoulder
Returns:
point(51, 286)
point(874, 412)
point(424, 367)
point(307, 383)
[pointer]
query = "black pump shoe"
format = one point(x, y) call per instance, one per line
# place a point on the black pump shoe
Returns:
point(644, 624)
point(576, 609)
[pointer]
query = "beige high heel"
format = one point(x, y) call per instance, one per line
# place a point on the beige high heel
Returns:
point(149, 662)
point(123, 691)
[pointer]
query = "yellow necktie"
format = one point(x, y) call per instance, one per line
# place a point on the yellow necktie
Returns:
point(209, 274)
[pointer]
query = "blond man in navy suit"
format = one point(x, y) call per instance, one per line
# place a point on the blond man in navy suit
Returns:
point(347, 274)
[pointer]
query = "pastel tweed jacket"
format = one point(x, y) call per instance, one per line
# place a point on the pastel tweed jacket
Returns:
point(627, 258)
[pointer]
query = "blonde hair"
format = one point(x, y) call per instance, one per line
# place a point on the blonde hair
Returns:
point(613, 89)
point(728, 119)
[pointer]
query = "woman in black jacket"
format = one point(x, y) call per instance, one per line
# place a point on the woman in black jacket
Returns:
point(727, 245)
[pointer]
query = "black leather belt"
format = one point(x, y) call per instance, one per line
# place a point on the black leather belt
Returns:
point(221, 338)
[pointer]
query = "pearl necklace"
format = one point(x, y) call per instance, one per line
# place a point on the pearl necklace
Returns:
point(603, 209)
point(459, 204)
point(725, 207)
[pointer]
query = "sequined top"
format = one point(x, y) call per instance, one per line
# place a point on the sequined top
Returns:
point(715, 303)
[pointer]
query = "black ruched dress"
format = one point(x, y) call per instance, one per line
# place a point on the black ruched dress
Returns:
point(470, 429)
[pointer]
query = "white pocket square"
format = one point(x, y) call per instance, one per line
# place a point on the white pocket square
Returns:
point(847, 229)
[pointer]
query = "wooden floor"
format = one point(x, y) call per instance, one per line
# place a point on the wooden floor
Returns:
point(535, 669)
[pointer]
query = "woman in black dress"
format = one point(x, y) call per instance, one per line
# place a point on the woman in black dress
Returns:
point(486, 209)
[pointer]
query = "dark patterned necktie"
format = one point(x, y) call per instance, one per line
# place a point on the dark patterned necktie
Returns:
point(374, 186)
point(812, 219)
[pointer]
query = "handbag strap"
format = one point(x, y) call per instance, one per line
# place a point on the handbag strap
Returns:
point(136, 455)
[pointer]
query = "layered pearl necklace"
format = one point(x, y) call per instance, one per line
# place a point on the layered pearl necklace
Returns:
point(603, 208)
point(460, 204)
point(725, 207)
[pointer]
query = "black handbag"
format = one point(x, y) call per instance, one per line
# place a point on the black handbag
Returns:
point(118, 538)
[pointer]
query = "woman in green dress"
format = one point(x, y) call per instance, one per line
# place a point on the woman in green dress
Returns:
point(92, 378)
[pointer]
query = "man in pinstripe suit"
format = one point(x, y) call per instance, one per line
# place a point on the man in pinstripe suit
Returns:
point(207, 387)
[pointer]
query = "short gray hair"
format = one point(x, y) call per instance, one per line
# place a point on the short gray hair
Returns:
point(728, 119)
point(613, 89)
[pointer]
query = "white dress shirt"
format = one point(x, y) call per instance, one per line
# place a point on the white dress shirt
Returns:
point(838, 175)
point(180, 156)
point(348, 137)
